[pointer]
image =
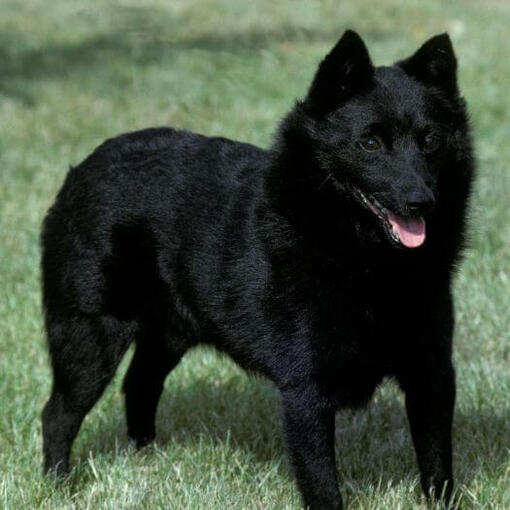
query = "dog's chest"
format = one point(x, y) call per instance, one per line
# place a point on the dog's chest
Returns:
point(367, 327)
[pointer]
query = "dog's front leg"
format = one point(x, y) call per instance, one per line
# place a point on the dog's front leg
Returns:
point(309, 425)
point(430, 396)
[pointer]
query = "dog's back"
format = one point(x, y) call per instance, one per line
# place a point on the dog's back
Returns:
point(138, 212)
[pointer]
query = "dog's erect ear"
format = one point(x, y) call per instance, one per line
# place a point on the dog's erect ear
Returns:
point(434, 64)
point(343, 72)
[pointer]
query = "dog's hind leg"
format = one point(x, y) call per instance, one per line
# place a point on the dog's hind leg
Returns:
point(85, 353)
point(143, 384)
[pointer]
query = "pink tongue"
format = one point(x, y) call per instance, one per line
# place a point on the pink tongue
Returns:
point(410, 231)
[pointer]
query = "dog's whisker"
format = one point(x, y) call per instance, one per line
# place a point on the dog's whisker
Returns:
point(328, 177)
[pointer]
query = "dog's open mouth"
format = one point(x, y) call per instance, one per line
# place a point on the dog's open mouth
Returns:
point(409, 232)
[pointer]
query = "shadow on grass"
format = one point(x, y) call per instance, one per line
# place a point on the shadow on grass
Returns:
point(373, 444)
point(140, 43)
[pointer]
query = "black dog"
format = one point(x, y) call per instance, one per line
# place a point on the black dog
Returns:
point(324, 263)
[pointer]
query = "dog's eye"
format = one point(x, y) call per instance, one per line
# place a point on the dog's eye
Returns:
point(370, 144)
point(431, 143)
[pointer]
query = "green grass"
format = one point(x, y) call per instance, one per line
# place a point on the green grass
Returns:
point(74, 73)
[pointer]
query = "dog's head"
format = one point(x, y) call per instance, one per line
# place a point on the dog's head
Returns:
point(385, 137)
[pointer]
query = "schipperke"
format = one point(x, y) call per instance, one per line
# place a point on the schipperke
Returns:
point(323, 263)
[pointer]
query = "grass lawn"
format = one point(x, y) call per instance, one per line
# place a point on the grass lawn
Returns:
point(74, 73)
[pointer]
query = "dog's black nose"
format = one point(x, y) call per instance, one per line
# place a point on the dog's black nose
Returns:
point(420, 202)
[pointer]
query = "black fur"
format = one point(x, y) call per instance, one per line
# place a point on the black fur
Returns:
point(172, 239)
